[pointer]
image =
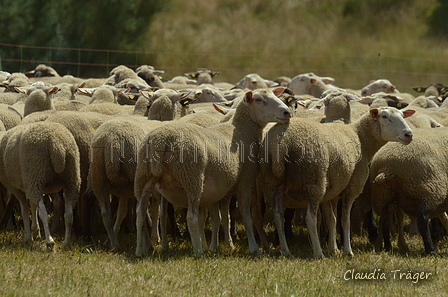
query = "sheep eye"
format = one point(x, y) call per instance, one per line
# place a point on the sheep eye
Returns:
point(384, 117)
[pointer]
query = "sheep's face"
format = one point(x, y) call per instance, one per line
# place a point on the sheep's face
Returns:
point(392, 124)
point(380, 85)
point(267, 107)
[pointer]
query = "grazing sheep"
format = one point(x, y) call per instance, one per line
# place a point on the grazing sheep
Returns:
point(38, 99)
point(252, 81)
point(15, 80)
point(202, 76)
point(379, 85)
point(182, 80)
point(172, 159)
point(431, 90)
point(414, 178)
point(150, 76)
point(309, 83)
point(9, 117)
point(42, 70)
point(333, 162)
point(41, 158)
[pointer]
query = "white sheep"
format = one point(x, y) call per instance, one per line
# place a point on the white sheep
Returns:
point(309, 83)
point(202, 76)
point(194, 167)
point(41, 158)
point(114, 158)
point(252, 81)
point(414, 179)
point(42, 70)
point(379, 85)
point(150, 76)
point(332, 160)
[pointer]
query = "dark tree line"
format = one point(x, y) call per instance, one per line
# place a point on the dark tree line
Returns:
point(106, 24)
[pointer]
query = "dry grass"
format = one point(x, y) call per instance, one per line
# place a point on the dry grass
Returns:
point(90, 269)
point(338, 38)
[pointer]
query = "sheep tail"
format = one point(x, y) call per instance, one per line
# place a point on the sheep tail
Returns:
point(58, 156)
point(112, 160)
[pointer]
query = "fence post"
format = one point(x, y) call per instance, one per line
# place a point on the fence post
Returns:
point(107, 62)
point(379, 65)
point(1, 67)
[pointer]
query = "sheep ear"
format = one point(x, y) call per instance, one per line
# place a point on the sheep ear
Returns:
point(51, 90)
point(191, 75)
point(248, 97)
point(86, 91)
point(374, 113)
point(20, 90)
point(123, 90)
point(328, 80)
point(221, 109)
point(278, 91)
point(366, 100)
point(313, 81)
point(229, 103)
point(419, 89)
point(408, 113)
point(215, 73)
point(147, 95)
point(185, 102)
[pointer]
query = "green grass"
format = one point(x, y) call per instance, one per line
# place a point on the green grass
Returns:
point(90, 269)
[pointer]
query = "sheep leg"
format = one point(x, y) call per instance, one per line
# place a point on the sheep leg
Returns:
point(104, 202)
point(311, 224)
point(444, 219)
point(25, 210)
point(224, 206)
point(280, 225)
point(68, 217)
point(203, 214)
point(244, 198)
point(329, 208)
point(142, 207)
point(215, 217)
point(258, 217)
point(400, 220)
point(193, 226)
point(345, 219)
point(57, 212)
point(423, 228)
point(43, 215)
point(158, 211)
point(35, 228)
point(122, 212)
point(163, 224)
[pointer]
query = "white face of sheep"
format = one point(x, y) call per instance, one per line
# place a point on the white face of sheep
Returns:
point(267, 107)
point(392, 123)
point(376, 86)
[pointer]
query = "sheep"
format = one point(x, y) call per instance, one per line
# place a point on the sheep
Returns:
point(150, 76)
point(414, 178)
point(309, 83)
point(38, 99)
point(202, 76)
point(16, 79)
point(42, 70)
point(333, 162)
point(379, 85)
point(182, 80)
point(123, 72)
point(432, 90)
point(205, 94)
point(252, 81)
point(113, 163)
point(196, 178)
point(9, 117)
point(41, 158)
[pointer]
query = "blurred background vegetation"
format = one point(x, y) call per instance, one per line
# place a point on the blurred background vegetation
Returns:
point(353, 41)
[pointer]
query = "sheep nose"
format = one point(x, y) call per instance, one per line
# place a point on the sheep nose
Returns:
point(363, 93)
point(287, 114)
point(409, 135)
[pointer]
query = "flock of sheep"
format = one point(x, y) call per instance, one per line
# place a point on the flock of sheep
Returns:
point(299, 143)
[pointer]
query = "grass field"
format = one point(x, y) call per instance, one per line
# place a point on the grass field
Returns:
point(90, 269)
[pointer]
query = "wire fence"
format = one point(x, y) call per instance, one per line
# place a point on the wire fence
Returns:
point(82, 62)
